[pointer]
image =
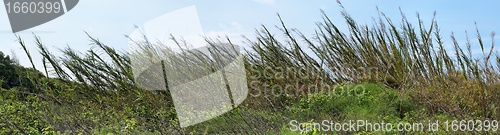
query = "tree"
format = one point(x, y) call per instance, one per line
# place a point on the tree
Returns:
point(8, 72)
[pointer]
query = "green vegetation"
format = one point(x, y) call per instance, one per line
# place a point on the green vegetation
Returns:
point(383, 72)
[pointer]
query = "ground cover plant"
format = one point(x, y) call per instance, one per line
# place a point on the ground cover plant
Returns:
point(383, 71)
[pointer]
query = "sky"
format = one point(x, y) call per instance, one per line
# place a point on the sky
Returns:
point(110, 20)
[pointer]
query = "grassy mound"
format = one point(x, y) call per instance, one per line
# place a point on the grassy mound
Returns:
point(381, 72)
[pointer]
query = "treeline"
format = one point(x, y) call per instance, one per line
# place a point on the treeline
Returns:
point(14, 75)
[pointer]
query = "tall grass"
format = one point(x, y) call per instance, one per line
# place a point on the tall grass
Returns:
point(409, 58)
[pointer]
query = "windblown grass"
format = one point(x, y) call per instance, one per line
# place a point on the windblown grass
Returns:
point(412, 60)
point(407, 58)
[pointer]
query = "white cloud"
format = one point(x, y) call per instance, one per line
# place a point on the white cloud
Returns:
point(234, 31)
point(265, 1)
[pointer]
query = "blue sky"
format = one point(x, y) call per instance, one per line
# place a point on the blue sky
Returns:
point(110, 20)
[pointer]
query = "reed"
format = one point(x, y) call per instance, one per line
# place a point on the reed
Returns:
point(409, 58)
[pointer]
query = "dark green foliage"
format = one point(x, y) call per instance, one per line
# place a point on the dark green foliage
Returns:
point(14, 75)
point(8, 72)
